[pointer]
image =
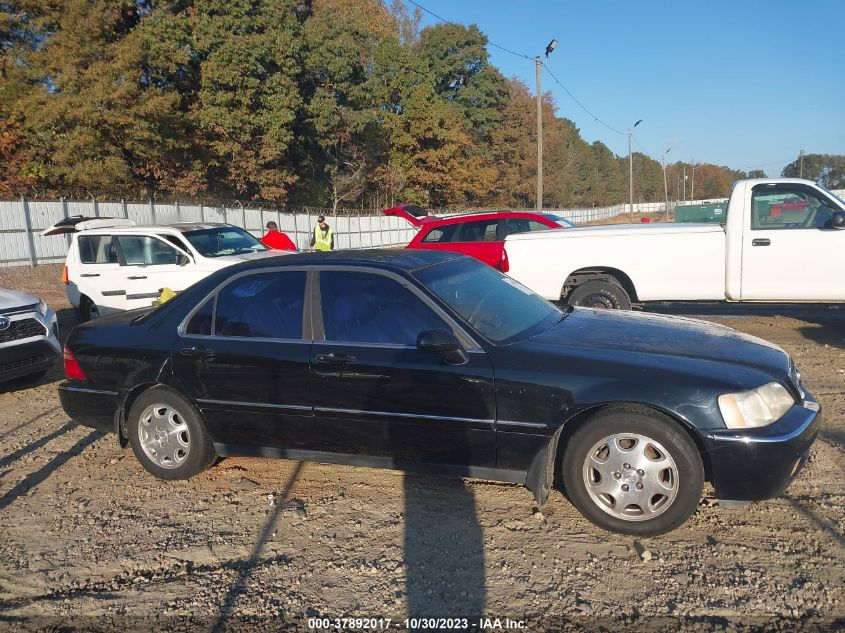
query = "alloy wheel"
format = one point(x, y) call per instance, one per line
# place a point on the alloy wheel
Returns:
point(164, 436)
point(630, 476)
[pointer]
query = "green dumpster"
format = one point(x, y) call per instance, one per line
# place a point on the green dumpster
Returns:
point(713, 212)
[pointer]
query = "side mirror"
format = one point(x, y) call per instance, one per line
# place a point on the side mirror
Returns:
point(182, 260)
point(837, 221)
point(438, 342)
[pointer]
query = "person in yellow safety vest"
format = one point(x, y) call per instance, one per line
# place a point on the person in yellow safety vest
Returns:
point(323, 238)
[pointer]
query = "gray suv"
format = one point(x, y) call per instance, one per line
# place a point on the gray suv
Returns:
point(29, 336)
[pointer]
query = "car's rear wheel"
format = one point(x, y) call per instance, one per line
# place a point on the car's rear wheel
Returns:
point(88, 310)
point(168, 435)
point(602, 293)
point(633, 470)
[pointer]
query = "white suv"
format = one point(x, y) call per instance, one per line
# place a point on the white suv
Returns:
point(114, 265)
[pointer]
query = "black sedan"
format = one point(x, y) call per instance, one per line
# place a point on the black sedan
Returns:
point(428, 360)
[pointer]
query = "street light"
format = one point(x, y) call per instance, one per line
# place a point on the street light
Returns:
point(631, 170)
point(665, 186)
point(538, 63)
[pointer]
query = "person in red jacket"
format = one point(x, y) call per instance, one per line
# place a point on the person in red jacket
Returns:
point(277, 240)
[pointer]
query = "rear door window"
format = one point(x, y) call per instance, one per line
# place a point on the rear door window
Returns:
point(479, 231)
point(267, 305)
point(144, 250)
point(96, 249)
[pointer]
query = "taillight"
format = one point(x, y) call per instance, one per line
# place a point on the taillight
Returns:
point(65, 280)
point(506, 265)
point(73, 370)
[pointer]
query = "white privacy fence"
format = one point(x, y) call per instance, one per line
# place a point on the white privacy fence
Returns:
point(21, 223)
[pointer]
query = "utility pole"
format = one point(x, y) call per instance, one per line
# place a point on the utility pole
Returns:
point(631, 172)
point(801, 164)
point(692, 191)
point(684, 167)
point(665, 185)
point(538, 63)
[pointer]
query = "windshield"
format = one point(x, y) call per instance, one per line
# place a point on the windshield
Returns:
point(836, 197)
point(224, 240)
point(499, 308)
point(564, 222)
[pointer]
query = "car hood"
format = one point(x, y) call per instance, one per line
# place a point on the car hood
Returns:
point(662, 335)
point(13, 299)
point(230, 260)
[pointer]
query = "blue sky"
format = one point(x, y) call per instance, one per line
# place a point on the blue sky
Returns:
point(740, 83)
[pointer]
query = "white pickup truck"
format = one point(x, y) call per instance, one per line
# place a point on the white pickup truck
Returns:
point(783, 241)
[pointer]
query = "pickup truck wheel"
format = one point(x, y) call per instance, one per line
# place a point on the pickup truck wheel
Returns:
point(602, 293)
point(168, 435)
point(88, 310)
point(633, 470)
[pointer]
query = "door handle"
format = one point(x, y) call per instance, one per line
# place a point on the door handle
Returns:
point(335, 359)
point(137, 277)
point(761, 241)
point(90, 275)
point(198, 352)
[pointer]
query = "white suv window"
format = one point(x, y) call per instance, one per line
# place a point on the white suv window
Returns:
point(143, 250)
point(96, 249)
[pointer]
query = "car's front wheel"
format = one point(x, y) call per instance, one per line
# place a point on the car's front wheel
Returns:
point(633, 470)
point(168, 435)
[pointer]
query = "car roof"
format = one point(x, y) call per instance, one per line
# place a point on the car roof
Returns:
point(388, 258)
point(182, 227)
point(480, 215)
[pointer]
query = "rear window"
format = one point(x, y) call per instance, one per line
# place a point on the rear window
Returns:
point(440, 234)
point(96, 249)
point(267, 305)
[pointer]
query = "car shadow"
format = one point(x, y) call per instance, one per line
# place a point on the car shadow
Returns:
point(444, 550)
point(37, 477)
point(238, 587)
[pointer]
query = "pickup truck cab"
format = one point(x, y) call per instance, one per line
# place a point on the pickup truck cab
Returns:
point(783, 241)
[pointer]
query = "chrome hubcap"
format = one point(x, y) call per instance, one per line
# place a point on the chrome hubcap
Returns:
point(630, 476)
point(164, 436)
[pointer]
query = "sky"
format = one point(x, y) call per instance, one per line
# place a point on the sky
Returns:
point(742, 83)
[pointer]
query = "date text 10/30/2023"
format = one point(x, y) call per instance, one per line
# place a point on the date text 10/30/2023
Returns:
point(456, 624)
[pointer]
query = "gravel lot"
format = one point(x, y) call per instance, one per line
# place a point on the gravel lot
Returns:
point(91, 541)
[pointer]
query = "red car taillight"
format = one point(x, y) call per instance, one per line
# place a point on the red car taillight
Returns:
point(506, 265)
point(65, 279)
point(73, 370)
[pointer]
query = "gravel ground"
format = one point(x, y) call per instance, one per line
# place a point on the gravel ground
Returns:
point(90, 541)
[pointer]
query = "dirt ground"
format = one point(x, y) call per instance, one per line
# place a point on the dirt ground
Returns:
point(90, 541)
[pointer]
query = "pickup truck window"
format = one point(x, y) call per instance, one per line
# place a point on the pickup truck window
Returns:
point(789, 207)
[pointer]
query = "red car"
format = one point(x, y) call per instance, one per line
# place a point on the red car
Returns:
point(480, 235)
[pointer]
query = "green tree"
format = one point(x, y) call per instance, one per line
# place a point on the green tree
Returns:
point(826, 169)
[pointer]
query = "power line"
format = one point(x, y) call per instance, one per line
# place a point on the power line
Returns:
point(444, 20)
point(645, 151)
point(583, 107)
point(507, 50)
point(777, 162)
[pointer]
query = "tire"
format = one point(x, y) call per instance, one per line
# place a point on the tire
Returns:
point(168, 435)
point(601, 293)
point(662, 459)
point(88, 310)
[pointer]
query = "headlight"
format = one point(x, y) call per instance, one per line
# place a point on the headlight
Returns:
point(41, 308)
point(755, 408)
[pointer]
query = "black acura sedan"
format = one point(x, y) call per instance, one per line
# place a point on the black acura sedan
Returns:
point(429, 360)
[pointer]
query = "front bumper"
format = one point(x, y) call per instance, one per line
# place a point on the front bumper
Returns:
point(760, 463)
point(34, 354)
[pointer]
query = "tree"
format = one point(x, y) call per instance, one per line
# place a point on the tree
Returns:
point(826, 169)
point(756, 173)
